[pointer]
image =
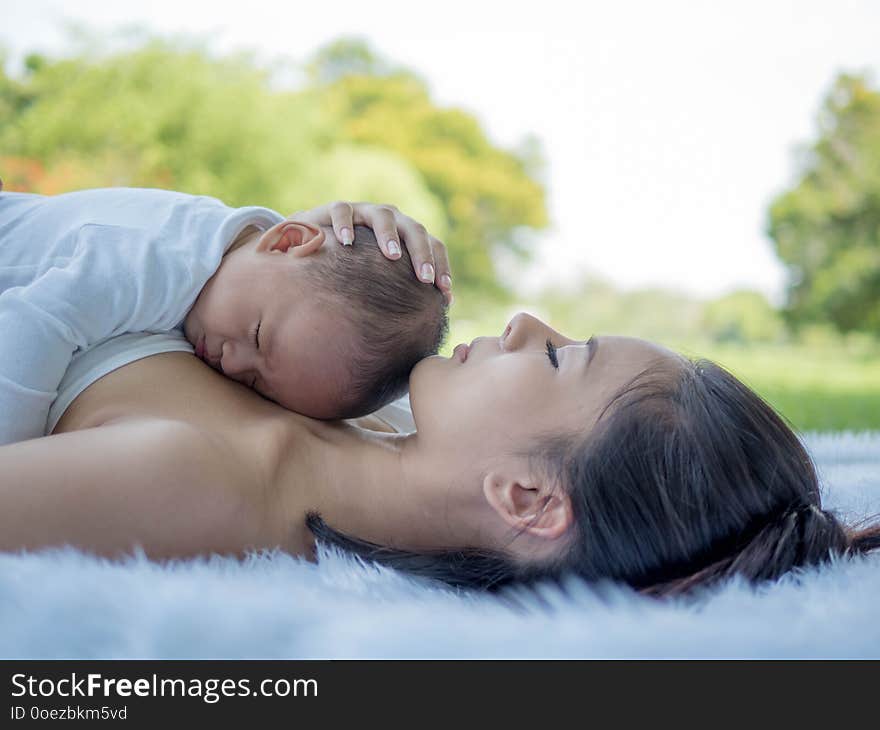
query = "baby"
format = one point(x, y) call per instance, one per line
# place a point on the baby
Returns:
point(325, 330)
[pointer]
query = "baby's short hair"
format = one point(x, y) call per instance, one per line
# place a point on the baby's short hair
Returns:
point(397, 319)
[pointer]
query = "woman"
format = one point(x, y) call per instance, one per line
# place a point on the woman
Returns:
point(535, 456)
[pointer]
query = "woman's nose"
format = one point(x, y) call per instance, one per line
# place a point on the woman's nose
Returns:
point(524, 330)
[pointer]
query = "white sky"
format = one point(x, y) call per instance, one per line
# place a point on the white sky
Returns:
point(667, 126)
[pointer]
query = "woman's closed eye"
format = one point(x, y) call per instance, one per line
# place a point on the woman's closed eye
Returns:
point(257, 335)
point(551, 350)
point(551, 353)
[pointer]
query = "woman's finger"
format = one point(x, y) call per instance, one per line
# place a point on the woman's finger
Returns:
point(381, 218)
point(342, 220)
point(443, 278)
point(418, 243)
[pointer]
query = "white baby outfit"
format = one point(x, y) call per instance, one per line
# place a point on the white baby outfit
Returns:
point(79, 268)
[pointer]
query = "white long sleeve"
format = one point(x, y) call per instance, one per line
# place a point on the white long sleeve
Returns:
point(79, 268)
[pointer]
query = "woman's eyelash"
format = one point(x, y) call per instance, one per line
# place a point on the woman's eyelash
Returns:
point(551, 353)
point(551, 350)
point(257, 334)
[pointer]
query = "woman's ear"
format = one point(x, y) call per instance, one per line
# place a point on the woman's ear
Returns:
point(291, 237)
point(533, 507)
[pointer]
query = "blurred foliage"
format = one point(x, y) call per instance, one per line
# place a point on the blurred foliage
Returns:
point(827, 227)
point(743, 316)
point(155, 117)
point(597, 305)
point(167, 114)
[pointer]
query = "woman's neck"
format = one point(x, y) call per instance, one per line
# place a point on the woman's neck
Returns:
point(379, 487)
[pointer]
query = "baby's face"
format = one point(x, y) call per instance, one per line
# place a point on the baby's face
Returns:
point(259, 323)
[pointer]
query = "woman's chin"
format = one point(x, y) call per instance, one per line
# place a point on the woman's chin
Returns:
point(431, 364)
point(428, 377)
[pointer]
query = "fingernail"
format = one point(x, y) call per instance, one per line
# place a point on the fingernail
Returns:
point(347, 239)
point(393, 248)
point(427, 272)
point(446, 281)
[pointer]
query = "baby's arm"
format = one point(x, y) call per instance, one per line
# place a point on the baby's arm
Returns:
point(35, 349)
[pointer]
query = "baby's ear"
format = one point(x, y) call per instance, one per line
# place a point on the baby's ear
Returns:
point(291, 237)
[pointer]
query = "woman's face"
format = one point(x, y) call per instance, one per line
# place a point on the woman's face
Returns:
point(496, 395)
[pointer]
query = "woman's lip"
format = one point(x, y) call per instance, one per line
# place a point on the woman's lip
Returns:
point(461, 352)
point(200, 348)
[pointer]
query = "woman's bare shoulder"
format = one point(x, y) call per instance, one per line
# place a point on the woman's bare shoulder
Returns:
point(177, 387)
point(174, 385)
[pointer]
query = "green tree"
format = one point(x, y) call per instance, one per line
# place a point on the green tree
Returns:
point(827, 227)
point(162, 115)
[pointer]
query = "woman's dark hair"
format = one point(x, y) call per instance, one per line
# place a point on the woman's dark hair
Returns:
point(688, 478)
point(397, 319)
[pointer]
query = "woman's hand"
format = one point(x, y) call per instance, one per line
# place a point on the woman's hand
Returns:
point(392, 228)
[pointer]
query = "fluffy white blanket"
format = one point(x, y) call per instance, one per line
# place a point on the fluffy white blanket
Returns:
point(62, 603)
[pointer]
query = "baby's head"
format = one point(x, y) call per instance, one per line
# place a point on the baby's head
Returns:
point(325, 330)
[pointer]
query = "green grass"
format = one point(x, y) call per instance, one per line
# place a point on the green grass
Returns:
point(817, 387)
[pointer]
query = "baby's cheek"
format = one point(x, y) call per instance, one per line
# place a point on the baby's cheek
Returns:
point(314, 392)
point(329, 392)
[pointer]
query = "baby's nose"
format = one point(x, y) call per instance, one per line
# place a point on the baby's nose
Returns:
point(233, 359)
